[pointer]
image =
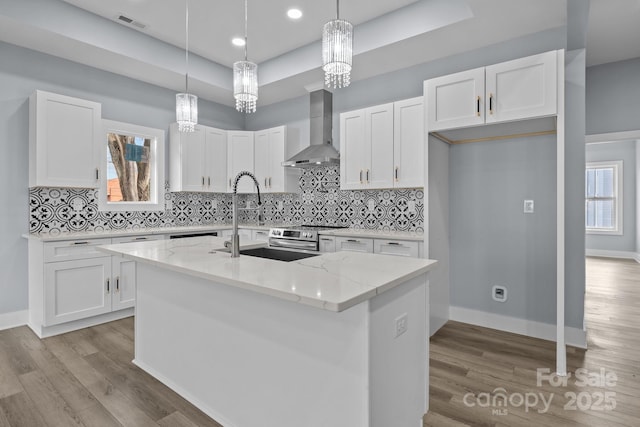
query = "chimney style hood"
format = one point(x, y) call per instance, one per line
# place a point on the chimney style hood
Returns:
point(320, 152)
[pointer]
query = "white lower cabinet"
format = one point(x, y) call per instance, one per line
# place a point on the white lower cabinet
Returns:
point(73, 285)
point(260, 235)
point(76, 289)
point(408, 248)
point(244, 234)
point(327, 244)
point(396, 247)
point(354, 244)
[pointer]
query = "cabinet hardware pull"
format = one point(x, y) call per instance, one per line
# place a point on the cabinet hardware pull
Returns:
point(97, 174)
point(367, 176)
point(117, 283)
point(490, 103)
point(203, 181)
point(326, 239)
point(396, 172)
point(393, 243)
point(353, 241)
point(108, 285)
point(265, 183)
point(209, 181)
point(80, 243)
point(361, 176)
point(478, 106)
point(140, 238)
point(269, 182)
point(229, 182)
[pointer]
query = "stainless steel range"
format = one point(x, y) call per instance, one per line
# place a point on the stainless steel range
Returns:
point(298, 238)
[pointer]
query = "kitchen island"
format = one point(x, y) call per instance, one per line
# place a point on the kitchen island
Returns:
point(339, 339)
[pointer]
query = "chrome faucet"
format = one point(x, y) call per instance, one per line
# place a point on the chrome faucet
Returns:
point(234, 243)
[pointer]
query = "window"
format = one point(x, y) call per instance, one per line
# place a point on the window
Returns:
point(132, 168)
point(603, 198)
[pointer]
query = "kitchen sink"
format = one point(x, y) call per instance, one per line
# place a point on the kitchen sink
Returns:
point(277, 254)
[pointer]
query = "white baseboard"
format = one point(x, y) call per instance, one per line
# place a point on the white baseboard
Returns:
point(573, 336)
point(613, 254)
point(13, 319)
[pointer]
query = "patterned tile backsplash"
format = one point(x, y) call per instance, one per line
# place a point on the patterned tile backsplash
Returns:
point(320, 202)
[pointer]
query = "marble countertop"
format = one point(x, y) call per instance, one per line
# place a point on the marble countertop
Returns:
point(332, 281)
point(50, 237)
point(375, 234)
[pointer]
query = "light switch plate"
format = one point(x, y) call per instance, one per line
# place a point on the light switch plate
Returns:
point(411, 206)
point(372, 206)
point(528, 206)
point(214, 204)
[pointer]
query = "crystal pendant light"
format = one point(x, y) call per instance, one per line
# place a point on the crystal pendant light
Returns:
point(245, 78)
point(186, 103)
point(337, 51)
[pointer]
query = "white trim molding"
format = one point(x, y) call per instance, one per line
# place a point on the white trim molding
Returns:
point(573, 336)
point(613, 254)
point(612, 136)
point(13, 319)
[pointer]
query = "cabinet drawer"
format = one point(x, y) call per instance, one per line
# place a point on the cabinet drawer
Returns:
point(396, 247)
point(354, 244)
point(130, 239)
point(74, 249)
point(327, 244)
point(260, 235)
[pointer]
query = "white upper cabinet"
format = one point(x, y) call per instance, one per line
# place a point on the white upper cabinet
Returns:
point(354, 149)
point(515, 90)
point(269, 146)
point(64, 135)
point(382, 146)
point(408, 143)
point(522, 88)
point(240, 155)
point(379, 132)
point(198, 159)
point(455, 100)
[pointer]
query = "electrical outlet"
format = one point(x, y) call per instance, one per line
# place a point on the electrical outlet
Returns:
point(528, 206)
point(371, 205)
point(168, 204)
point(280, 205)
point(499, 293)
point(214, 204)
point(402, 324)
point(411, 206)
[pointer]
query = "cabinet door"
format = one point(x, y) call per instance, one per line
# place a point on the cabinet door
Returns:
point(215, 156)
point(522, 88)
point(76, 289)
point(64, 136)
point(123, 289)
point(354, 244)
point(260, 235)
point(192, 149)
point(455, 100)
point(379, 134)
point(327, 244)
point(240, 158)
point(353, 150)
point(262, 159)
point(408, 143)
point(276, 179)
point(396, 247)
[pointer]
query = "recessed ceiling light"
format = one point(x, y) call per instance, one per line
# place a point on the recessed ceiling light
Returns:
point(294, 13)
point(238, 41)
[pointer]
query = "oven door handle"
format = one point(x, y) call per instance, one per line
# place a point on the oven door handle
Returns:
point(292, 244)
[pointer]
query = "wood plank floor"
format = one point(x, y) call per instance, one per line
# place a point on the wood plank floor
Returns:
point(86, 378)
point(470, 364)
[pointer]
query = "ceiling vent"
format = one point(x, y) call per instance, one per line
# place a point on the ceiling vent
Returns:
point(129, 21)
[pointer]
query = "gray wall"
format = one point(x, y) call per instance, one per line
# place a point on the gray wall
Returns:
point(492, 241)
point(625, 151)
point(613, 97)
point(21, 72)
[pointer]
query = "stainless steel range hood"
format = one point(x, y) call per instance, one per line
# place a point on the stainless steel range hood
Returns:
point(320, 152)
